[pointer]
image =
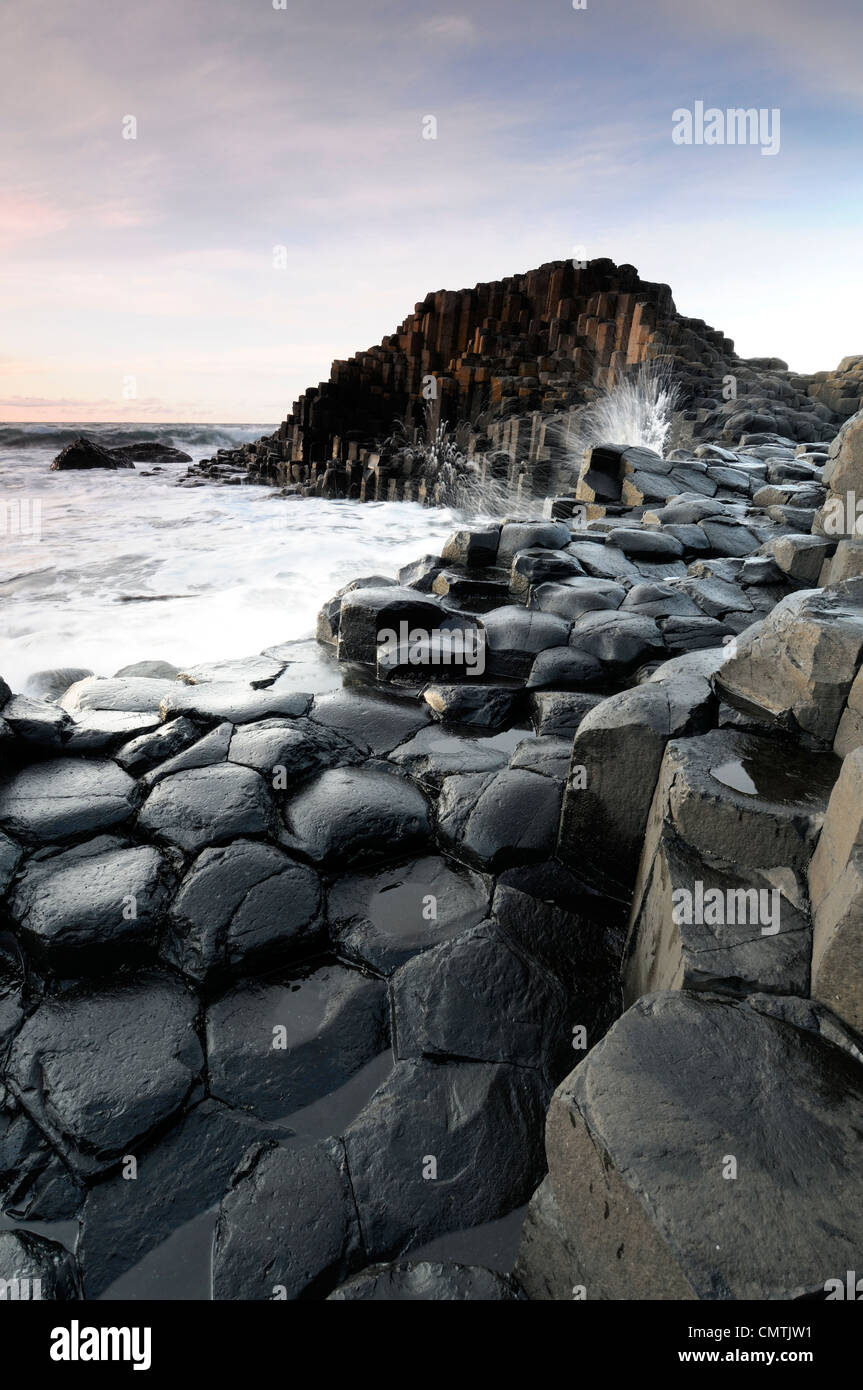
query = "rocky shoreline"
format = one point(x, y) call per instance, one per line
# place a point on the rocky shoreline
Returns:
point(575, 923)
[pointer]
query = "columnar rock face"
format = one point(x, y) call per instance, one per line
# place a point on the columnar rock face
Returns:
point(512, 361)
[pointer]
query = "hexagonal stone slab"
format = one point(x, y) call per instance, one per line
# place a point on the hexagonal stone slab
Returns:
point(242, 901)
point(500, 820)
point(479, 1124)
point(349, 814)
point(384, 917)
point(63, 798)
point(288, 1226)
point(196, 808)
point(98, 1068)
point(481, 998)
point(95, 906)
point(275, 1047)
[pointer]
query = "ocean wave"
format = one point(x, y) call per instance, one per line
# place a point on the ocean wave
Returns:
point(202, 436)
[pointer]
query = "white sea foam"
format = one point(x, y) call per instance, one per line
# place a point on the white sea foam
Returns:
point(130, 568)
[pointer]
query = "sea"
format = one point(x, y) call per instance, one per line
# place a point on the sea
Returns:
point(102, 568)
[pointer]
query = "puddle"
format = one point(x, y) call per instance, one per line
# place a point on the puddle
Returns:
point(784, 776)
point(180, 1268)
point(493, 1245)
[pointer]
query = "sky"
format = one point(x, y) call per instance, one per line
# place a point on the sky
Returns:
point(279, 206)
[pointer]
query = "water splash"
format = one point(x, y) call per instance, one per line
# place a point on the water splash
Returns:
point(438, 457)
point(636, 409)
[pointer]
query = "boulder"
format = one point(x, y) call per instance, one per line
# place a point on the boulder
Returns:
point(245, 901)
point(84, 453)
point(98, 1068)
point(207, 805)
point(352, 814)
point(799, 665)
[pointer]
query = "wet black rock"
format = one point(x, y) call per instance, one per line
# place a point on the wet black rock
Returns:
point(435, 753)
point(288, 1227)
point(205, 805)
point(348, 814)
point(443, 1147)
point(242, 902)
point(383, 918)
point(84, 453)
point(93, 907)
point(97, 1069)
point(287, 751)
point(427, 1283)
point(64, 798)
point(34, 1268)
point(373, 723)
point(481, 998)
point(494, 821)
point(124, 1220)
point(477, 706)
point(274, 1047)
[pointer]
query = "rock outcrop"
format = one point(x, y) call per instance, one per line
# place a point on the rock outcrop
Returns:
point(513, 363)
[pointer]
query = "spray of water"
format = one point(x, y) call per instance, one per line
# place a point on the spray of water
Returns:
point(635, 409)
point(438, 457)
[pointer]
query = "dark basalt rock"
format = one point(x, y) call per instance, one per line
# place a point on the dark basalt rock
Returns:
point(383, 918)
point(435, 753)
point(373, 723)
point(495, 821)
point(234, 701)
point(92, 907)
point(287, 751)
point(273, 1048)
point(98, 1068)
point(620, 640)
point(288, 1227)
point(35, 1268)
point(442, 1147)
point(37, 722)
point(481, 998)
point(64, 798)
point(578, 596)
point(148, 451)
point(515, 634)
point(151, 750)
point(195, 808)
point(639, 1135)
point(349, 814)
point(475, 706)
point(427, 1283)
point(559, 712)
point(564, 668)
point(172, 1185)
point(241, 902)
point(365, 612)
point(84, 453)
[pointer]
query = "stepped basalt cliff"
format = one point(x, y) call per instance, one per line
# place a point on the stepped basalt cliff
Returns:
point(513, 362)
